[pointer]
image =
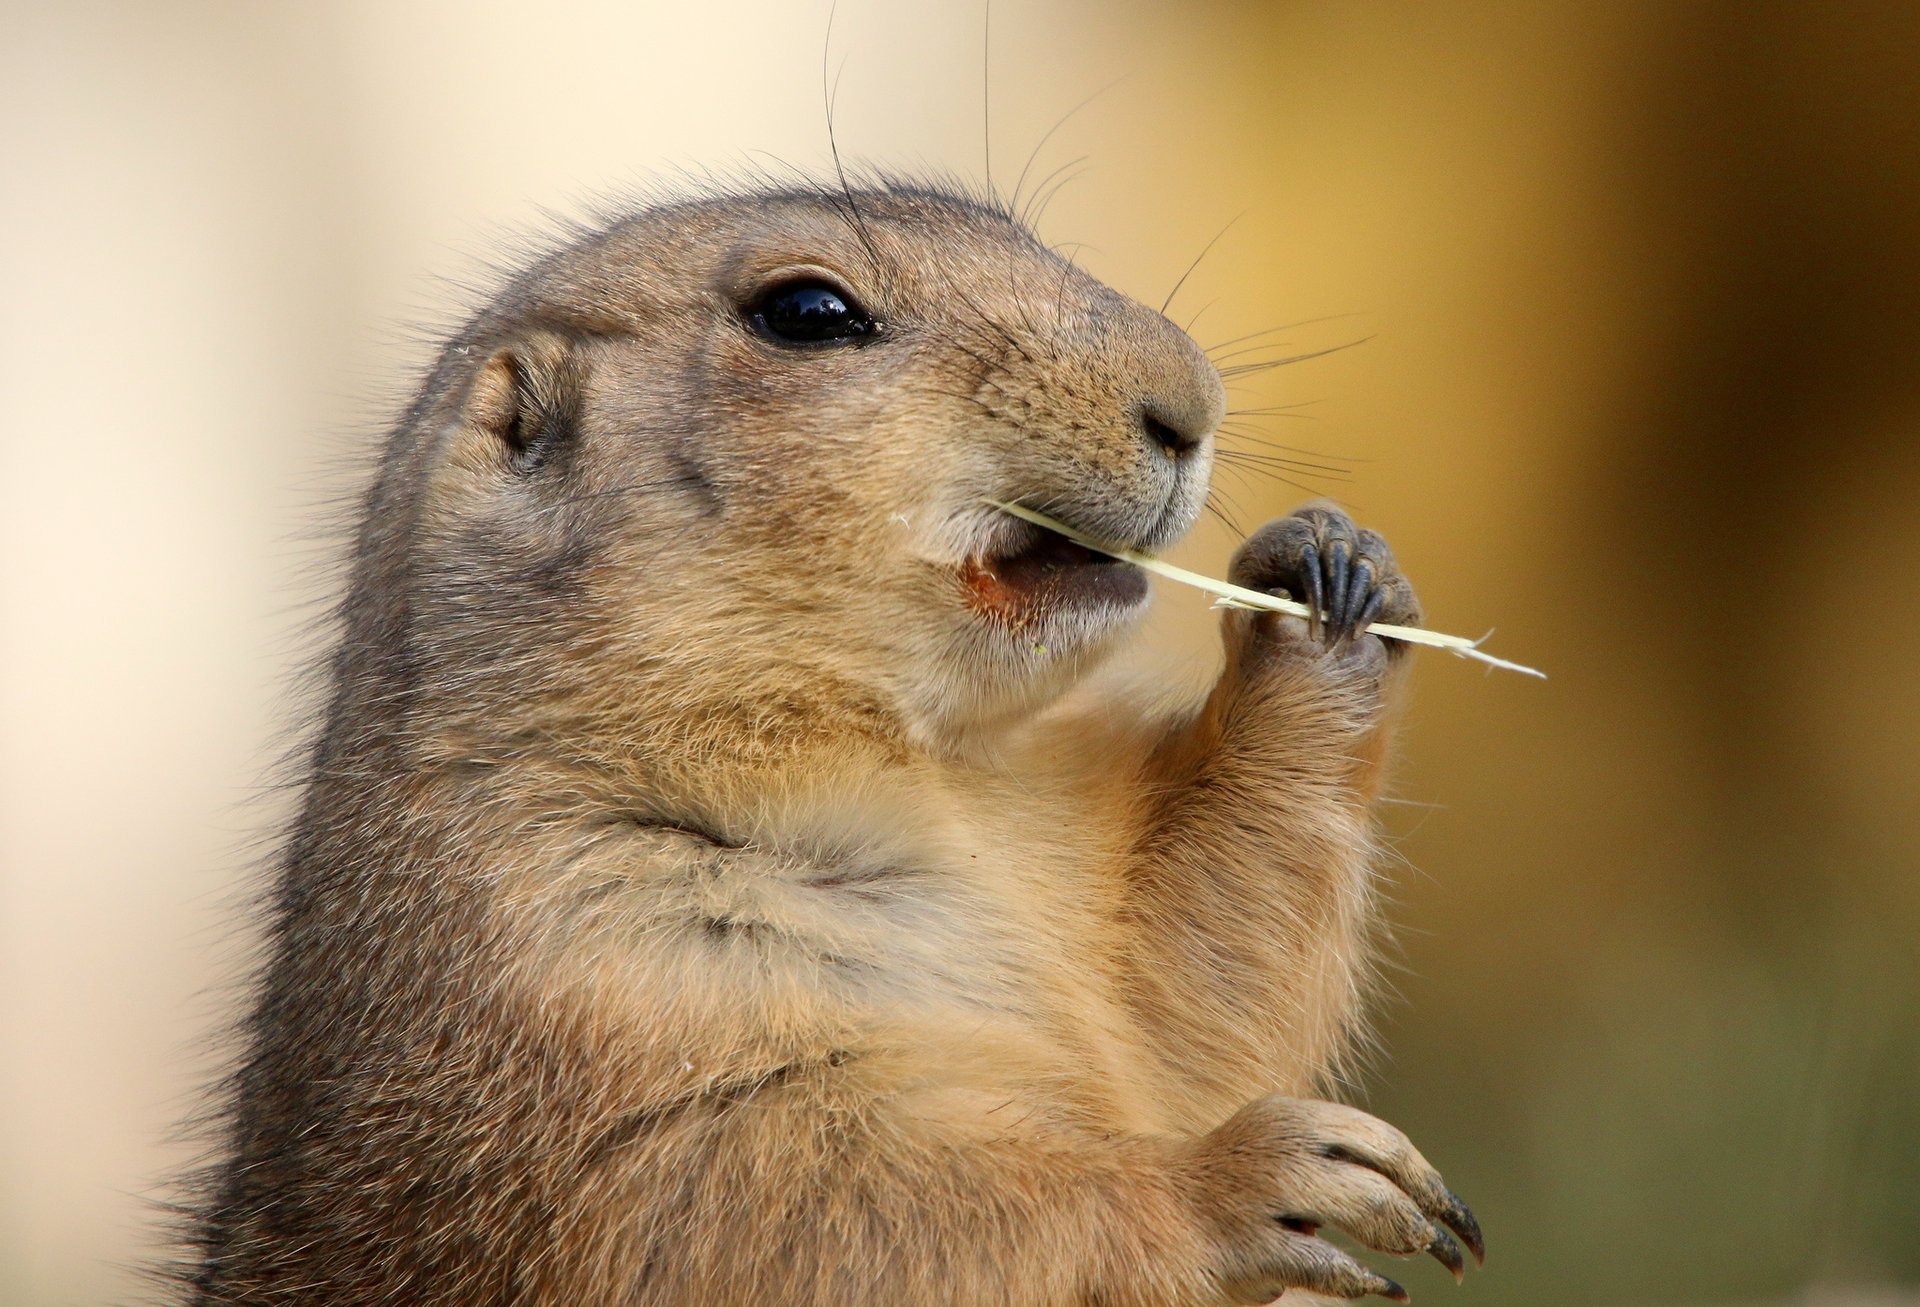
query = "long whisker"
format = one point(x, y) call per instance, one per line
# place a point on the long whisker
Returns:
point(1275, 410)
point(1221, 517)
point(830, 93)
point(986, 90)
point(1014, 201)
point(1227, 457)
point(1042, 197)
point(1333, 459)
point(1164, 304)
point(1251, 369)
point(1272, 475)
point(1274, 331)
point(1275, 460)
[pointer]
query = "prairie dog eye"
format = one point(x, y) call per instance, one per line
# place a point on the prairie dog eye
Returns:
point(810, 312)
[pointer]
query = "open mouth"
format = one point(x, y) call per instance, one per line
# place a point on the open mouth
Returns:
point(1040, 573)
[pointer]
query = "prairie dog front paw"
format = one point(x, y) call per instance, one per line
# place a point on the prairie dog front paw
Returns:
point(1282, 1168)
point(1345, 573)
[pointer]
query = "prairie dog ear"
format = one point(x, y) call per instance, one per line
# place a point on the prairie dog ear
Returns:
point(522, 411)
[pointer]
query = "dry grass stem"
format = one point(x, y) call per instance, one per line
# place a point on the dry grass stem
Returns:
point(1228, 595)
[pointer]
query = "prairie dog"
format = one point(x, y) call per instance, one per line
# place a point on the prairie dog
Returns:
point(714, 883)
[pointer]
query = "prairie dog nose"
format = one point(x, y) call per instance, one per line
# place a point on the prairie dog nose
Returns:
point(1175, 432)
point(1183, 404)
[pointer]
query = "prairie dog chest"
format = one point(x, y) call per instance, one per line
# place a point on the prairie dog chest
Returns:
point(990, 944)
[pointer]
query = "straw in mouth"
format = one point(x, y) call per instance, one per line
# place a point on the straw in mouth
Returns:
point(1045, 571)
point(1228, 595)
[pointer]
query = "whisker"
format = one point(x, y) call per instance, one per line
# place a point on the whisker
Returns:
point(1251, 369)
point(986, 91)
point(1272, 464)
point(1014, 201)
point(830, 93)
point(1229, 501)
point(1188, 328)
point(1260, 462)
point(1217, 515)
point(1274, 331)
point(1042, 197)
point(1249, 350)
point(1240, 479)
point(1272, 475)
point(1332, 459)
point(1196, 262)
point(1314, 461)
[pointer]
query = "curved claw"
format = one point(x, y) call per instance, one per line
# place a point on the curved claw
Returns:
point(1336, 587)
point(1460, 1220)
point(1310, 1263)
point(1444, 1250)
point(1369, 611)
point(1433, 1198)
point(1310, 582)
point(1360, 591)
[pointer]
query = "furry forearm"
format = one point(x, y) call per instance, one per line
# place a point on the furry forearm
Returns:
point(1251, 885)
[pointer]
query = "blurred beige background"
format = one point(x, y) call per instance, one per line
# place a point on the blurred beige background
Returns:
point(1641, 288)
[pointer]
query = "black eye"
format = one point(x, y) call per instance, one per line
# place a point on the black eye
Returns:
point(810, 313)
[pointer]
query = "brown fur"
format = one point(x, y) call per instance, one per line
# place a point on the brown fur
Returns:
point(699, 898)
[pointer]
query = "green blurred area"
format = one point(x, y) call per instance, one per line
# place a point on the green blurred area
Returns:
point(1640, 290)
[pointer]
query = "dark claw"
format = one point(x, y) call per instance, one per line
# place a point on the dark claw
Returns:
point(1336, 588)
point(1461, 1222)
point(1359, 591)
point(1448, 1254)
point(1369, 611)
point(1310, 582)
point(1393, 1291)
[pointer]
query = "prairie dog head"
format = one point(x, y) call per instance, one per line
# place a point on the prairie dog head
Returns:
point(743, 443)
